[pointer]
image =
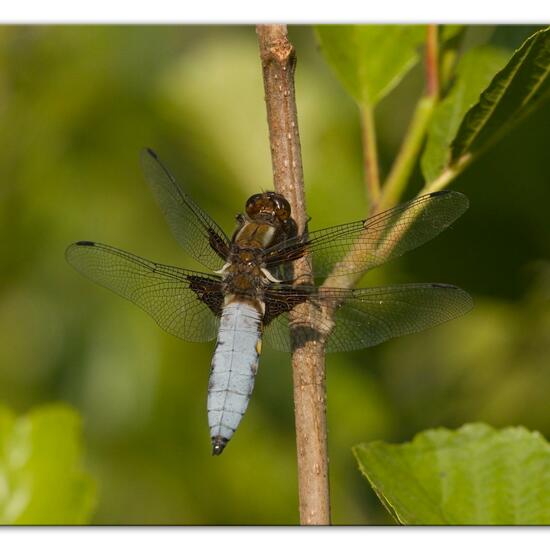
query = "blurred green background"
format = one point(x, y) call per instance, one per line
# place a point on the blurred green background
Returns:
point(76, 106)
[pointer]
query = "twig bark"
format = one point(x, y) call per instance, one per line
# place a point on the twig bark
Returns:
point(432, 61)
point(308, 360)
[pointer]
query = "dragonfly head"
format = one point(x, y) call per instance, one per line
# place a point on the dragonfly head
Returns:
point(268, 207)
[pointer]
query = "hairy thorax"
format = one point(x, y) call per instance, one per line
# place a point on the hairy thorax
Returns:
point(266, 223)
point(245, 274)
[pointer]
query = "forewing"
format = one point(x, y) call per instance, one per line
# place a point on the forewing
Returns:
point(367, 317)
point(359, 246)
point(193, 228)
point(183, 303)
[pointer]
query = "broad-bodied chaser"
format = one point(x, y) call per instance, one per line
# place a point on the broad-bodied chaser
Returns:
point(250, 291)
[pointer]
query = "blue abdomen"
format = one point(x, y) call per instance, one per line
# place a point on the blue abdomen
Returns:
point(234, 368)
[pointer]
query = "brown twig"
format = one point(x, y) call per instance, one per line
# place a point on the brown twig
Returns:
point(308, 364)
point(432, 61)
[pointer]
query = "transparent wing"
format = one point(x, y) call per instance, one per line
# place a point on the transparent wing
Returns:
point(366, 317)
point(359, 246)
point(193, 228)
point(183, 303)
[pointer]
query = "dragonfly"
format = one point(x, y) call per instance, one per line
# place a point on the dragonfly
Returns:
point(249, 293)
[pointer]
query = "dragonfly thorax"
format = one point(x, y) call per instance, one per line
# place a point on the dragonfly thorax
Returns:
point(244, 274)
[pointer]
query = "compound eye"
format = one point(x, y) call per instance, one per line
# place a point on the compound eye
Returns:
point(282, 214)
point(252, 206)
point(283, 208)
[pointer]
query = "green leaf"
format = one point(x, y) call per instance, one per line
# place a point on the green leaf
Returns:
point(41, 481)
point(473, 74)
point(370, 60)
point(514, 91)
point(476, 475)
